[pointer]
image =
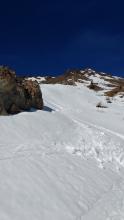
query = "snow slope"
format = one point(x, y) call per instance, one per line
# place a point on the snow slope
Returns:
point(66, 162)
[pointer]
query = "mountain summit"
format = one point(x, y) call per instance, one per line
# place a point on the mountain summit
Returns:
point(98, 81)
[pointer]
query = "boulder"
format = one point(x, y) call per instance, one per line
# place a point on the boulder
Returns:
point(33, 94)
point(18, 95)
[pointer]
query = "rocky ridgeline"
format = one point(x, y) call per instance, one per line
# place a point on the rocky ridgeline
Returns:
point(70, 77)
point(17, 95)
point(96, 81)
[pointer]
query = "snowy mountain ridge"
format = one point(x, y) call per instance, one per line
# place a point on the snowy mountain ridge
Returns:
point(100, 80)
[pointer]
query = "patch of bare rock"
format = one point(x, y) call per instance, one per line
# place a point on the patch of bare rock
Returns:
point(16, 94)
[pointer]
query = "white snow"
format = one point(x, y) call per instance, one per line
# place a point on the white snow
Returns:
point(66, 162)
point(101, 81)
point(39, 79)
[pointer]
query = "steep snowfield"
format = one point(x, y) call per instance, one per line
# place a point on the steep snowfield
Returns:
point(66, 162)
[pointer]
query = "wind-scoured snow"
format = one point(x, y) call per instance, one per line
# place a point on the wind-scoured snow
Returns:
point(65, 162)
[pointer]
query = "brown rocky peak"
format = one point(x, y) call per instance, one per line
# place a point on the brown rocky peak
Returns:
point(6, 72)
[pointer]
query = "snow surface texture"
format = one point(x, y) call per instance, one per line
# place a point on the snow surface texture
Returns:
point(66, 162)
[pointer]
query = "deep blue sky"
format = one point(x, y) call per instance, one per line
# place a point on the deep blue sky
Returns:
point(50, 36)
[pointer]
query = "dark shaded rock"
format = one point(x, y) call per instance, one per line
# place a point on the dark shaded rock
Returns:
point(94, 87)
point(2, 109)
point(18, 94)
point(14, 109)
point(33, 94)
point(100, 105)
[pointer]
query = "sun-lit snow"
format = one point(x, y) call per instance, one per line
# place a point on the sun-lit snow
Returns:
point(39, 79)
point(65, 162)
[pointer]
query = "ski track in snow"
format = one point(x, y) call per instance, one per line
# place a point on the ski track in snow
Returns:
point(111, 151)
point(101, 146)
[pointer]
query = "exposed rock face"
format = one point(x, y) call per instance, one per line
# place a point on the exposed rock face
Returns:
point(18, 95)
point(94, 87)
point(70, 77)
point(33, 94)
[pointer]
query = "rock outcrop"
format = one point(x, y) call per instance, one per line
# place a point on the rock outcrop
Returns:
point(18, 95)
